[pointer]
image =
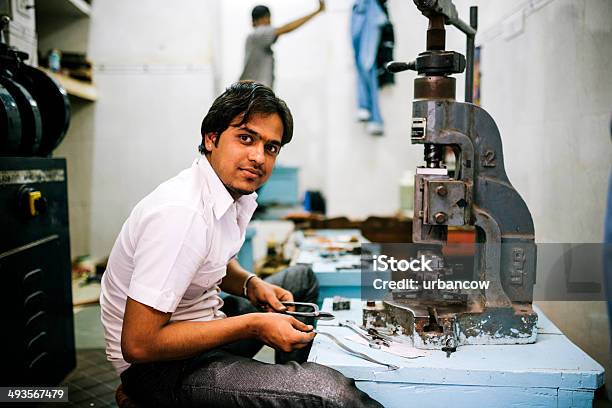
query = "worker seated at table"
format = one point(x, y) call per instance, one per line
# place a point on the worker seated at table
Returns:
point(169, 334)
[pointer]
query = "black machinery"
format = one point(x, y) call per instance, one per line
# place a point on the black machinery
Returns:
point(35, 270)
point(477, 194)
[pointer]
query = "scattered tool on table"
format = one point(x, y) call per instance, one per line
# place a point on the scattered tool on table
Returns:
point(354, 352)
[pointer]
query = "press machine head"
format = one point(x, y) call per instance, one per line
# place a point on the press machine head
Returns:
point(478, 194)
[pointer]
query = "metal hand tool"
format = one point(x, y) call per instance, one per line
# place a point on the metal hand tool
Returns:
point(353, 352)
point(316, 313)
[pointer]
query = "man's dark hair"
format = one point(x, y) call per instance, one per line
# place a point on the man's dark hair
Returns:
point(260, 12)
point(241, 100)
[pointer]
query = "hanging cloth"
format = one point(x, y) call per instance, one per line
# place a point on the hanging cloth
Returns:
point(385, 49)
point(367, 19)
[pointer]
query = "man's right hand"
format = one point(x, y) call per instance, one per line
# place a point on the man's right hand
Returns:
point(282, 332)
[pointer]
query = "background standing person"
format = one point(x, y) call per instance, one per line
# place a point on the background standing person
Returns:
point(258, 54)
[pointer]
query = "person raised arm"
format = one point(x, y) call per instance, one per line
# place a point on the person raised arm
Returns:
point(287, 28)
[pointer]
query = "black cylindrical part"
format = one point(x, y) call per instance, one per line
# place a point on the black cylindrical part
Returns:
point(433, 155)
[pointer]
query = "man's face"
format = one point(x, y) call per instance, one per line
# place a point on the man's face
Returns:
point(244, 156)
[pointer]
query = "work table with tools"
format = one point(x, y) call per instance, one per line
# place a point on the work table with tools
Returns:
point(551, 372)
point(331, 255)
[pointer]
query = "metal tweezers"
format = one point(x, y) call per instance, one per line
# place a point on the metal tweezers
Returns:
point(316, 313)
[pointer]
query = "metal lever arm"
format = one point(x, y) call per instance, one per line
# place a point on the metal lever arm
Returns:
point(396, 66)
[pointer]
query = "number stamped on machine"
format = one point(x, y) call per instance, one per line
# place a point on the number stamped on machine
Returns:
point(33, 394)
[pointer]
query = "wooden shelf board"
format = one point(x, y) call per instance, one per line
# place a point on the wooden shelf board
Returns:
point(74, 87)
point(68, 8)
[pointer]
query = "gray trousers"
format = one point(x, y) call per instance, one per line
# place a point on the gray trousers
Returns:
point(229, 377)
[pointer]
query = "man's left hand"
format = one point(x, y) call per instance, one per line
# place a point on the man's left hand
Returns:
point(267, 295)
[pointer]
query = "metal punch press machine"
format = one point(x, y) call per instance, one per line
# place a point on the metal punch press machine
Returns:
point(478, 194)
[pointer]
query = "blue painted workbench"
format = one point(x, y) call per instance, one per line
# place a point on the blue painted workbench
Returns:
point(553, 372)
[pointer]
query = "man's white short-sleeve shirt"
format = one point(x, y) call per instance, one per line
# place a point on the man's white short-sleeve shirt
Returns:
point(173, 250)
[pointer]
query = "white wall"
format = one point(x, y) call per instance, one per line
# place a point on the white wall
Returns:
point(69, 33)
point(77, 148)
point(154, 72)
point(549, 90)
